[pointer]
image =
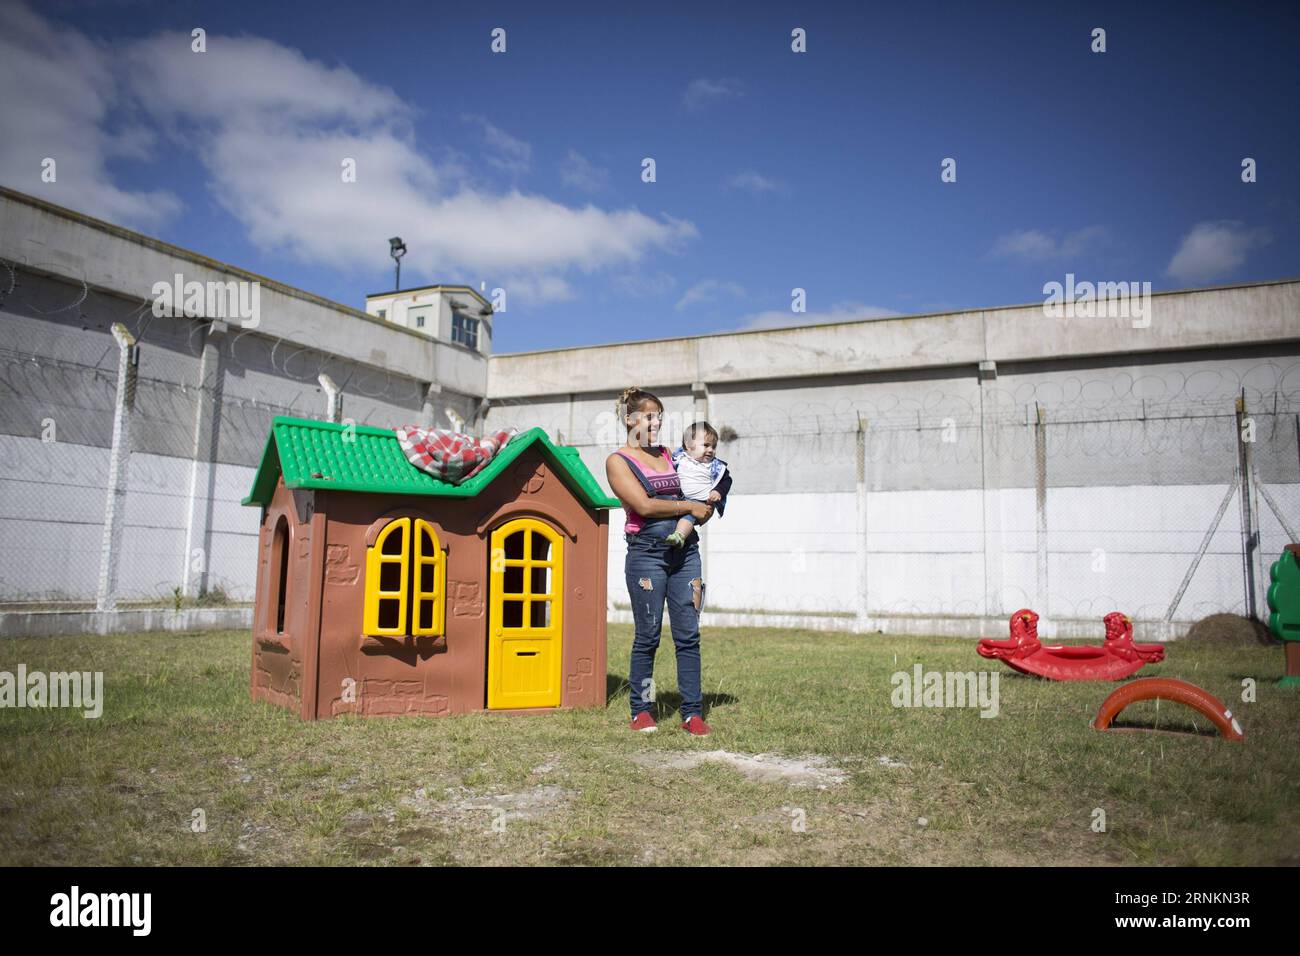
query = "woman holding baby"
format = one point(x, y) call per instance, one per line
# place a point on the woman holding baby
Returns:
point(662, 563)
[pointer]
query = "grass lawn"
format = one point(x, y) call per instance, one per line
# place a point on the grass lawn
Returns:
point(179, 733)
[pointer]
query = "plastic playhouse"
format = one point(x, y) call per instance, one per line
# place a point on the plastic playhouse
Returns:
point(383, 590)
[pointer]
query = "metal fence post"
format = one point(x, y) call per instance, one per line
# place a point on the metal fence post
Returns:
point(203, 453)
point(333, 399)
point(1040, 506)
point(429, 408)
point(115, 498)
point(863, 616)
point(1249, 530)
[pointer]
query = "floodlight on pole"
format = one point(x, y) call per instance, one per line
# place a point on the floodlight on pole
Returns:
point(397, 249)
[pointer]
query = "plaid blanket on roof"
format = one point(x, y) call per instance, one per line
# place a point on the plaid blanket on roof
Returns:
point(450, 456)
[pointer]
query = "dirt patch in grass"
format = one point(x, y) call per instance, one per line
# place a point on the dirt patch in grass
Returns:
point(511, 806)
point(809, 771)
point(518, 806)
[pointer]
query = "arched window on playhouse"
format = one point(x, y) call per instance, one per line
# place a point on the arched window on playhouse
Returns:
point(274, 613)
point(526, 573)
point(406, 581)
point(280, 557)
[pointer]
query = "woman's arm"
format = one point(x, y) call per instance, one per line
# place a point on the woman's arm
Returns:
point(629, 491)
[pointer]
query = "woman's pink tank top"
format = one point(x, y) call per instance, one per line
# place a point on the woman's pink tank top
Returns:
point(663, 482)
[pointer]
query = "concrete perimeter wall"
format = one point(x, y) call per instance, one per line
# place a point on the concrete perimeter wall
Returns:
point(206, 394)
point(883, 481)
point(927, 474)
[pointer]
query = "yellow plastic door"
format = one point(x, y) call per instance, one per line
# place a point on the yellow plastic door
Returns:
point(525, 616)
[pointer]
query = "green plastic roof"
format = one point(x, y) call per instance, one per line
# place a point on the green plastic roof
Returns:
point(372, 461)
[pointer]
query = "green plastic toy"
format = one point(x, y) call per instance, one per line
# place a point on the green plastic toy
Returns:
point(1284, 605)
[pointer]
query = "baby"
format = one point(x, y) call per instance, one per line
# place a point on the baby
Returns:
point(703, 476)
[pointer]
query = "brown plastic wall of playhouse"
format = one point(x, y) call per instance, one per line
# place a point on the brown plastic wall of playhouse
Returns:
point(281, 656)
point(308, 667)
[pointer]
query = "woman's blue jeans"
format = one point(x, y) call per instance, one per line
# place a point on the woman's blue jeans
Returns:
point(656, 571)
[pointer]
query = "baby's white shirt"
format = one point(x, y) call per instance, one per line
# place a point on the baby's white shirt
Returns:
point(696, 478)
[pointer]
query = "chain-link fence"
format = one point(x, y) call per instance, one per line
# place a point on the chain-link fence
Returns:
point(942, 497)
point(1164, 490)
point(184, 538)
point(200, 405)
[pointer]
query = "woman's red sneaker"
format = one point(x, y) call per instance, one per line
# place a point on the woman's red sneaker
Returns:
point(644, 723)
point(696, 725)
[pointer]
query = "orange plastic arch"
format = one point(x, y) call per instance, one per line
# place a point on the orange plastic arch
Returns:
point(1180, 692)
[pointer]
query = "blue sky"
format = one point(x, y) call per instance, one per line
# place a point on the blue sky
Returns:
point(775, 170)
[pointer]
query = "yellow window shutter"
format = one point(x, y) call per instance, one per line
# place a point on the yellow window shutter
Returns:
point(428, 603)
point(386, 608)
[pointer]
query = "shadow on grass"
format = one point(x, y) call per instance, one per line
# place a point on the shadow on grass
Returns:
point(666, 702)
point(1150, 727)
point(615, 684)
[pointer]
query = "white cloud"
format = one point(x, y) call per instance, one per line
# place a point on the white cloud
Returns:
point(839, 312)
point(59, 89)
point(581, 173)
point(538, 290)
point(271, 129)
point(708, 290)
point(1034, 245)
point(1213, 250)
point(635, 286)
point(704, 92)
point(505, 152)
point(752, 181)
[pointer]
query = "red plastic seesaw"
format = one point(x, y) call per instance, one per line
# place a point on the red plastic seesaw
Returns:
point(1118, 657)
